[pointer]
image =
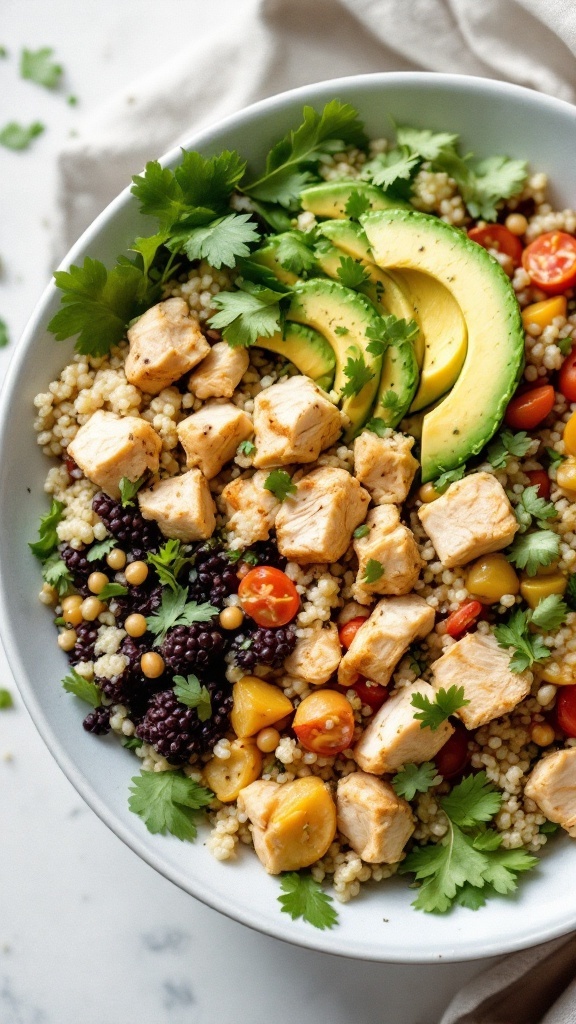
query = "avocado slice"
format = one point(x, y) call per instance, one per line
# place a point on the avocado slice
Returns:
point(344, 317)
point(463, 423)
point(267, 256)
point(349, 236)
point(307, 350)
point(330, 198)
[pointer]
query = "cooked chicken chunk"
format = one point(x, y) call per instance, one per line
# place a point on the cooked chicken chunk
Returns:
point(375, 821)
point(108, 447)
point(385, 466)
point(315, 657)
point(472, 518)
point(251, 508)
point(394, 737)
point(165, 343)
point(220, 372)
point(552, 786)
point(211, 436)
point(316, 523)
point(293, 421)
point(181, 505)
point(477, 663)
point(385, 636)
point(394, 547)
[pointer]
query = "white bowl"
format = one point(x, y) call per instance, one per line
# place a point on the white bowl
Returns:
point(380, 924)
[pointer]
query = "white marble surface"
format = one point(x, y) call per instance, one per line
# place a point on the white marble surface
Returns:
point(88, 933)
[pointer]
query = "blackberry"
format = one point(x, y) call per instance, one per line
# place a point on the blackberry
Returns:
point(83, 650)
point(213, 577)
point(145, 599)
point(267, 554)
point(98, 721)
point(126, 524)
point(76, 563)
point(175, 730)
point(191, 647)
point(264, 647)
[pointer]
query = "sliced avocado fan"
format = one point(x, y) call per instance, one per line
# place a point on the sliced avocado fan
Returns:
point(330, 198)
point(307, 350)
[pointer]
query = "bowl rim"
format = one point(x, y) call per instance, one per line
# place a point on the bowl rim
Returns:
point(283, 931)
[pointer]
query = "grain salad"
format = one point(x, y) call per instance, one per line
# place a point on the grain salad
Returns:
point(312, 537)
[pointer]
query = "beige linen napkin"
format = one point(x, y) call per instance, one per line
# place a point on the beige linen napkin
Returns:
point(290, 43)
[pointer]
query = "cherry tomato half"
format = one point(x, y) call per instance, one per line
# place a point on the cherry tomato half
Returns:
point(527, 410)
point(465, 616)
point(567, 377)
point(371, 694)
point(566, 710)
point(324, 722)
point(348, 631)
point(550, 261)
point(539, 478)
point(268, 596)
point(453, 757)
point(496, 236)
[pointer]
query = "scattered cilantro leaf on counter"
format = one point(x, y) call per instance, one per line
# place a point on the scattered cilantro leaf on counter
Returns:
point(97, 304)
point(550, 613)
point(472, 801)
point(570, 594)
point(531, 550)
point(415, 778)
point(358, 373)
point(38, 67)
point(3, 52)
point(528, 647)
point(72, 101)
point(304, 897)
point(189, 692)
point(294, 252)
point(378, 426)
point(101, 549)
point(168, 802)
point(442, 483)
point(433, 712)
point(531, 506)
point(554, 456)
point(245, 315)
point(177, 610)
point(56, 574)
point(289, 162)
point(129, 489)
point(373, 571)
point(389, 169)
point(357, 205)
point(82, 688)
point(169, 562)
point(4, 336)
point(425, 143)
point(48, 537)
point(279, 482)
point(6, 699)
point(112, 590)
point(17, 136)
point(246, 448)
point(351, 273)
point(507, 444)
point(361, 531)
point(220, 241)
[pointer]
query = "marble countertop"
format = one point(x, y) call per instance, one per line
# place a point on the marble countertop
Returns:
point(88, 932)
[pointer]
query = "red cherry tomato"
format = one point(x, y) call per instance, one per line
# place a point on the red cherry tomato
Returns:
point(566, 710)
point(371, 694)
point(268, 596)
point(348, 631)
point(539, 478)
point(526, 411)
point(496, 236)
point(465, 616)
point(550, 262)
point(567, 377)
point(453, 757)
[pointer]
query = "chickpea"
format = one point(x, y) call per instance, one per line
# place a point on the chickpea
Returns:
point(67, 639)
point(152, 665)
point(490, 577)
point(267, 740)
point(542, 734)
point(97, 581)
point(516, 223)
point(231, 618)
point(135, 625)
point(91, 608)
point(428, 493)
point(136, 573)
point(72, 610)
point(116, 559)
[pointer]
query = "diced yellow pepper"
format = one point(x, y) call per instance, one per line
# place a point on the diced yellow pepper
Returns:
point(543, 313)
point(559, 674)
point(570, 436)
point(257, 704)
point(490, 577)
point(534, 589)
point(227, 777)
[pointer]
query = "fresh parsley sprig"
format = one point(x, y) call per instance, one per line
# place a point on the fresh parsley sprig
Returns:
point(251, 312)
point(294, 251)
point(442, 482)
point(433, 712)
point(373, 571)
point(168, 802)
point(56, 574)
point(359, 374)
point(169, 562)
point(532, 507)
point(193, 695)
point(47, 534)
point(100, 549)
point(508, 444)
point(530, 551)
point(279, 483)
point(304, 897)
point(128, 490)
point(177, 610)
point(351, 273)
point(550, 613)
point(82, 688)
point(415, 778)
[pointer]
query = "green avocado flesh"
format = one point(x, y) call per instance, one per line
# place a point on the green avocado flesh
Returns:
point(267, 256)
point(343, 317)
point(307, 350)
point(330, 198)
point(465, 420)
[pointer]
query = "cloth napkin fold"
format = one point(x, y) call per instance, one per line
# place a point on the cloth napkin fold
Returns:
point(291, 43)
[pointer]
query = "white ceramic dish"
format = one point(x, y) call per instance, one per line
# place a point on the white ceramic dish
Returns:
point(491, 117)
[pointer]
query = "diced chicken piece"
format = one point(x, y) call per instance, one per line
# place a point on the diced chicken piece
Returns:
point(315, 657)
point(477, 663)
point(211, 436)
point(108, 447)
point(472, 518)
point(385, 636)
point(165, 343)
point(385, 466)
point(375, 821)
point(552, 786)
point(394, 737)
point(294, 421)
point(251, 508)
point(220, 372)
point(181, 505)
point(316, 523)
point(394, 547)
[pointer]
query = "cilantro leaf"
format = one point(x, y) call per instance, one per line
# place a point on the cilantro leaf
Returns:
point(4, 336)
point(528, 647)
point(246, 448)
point(169, 562)
point(356, 205)
point(82, 688)
point(351, 273)
point(507, 444)
point(199, 186)
point(129, 490)
point(97, 304)
point(279, 482)
point(131, 742)
point(55, 572)
point(112, 590)
point(6, 699)
point(483, 184)
point(358, 373)
point(532, 550)
point(245, 315)
point(16, 136)
point(472, 801)
point(294, 253)
point(393, 329)
point(415, 778)
point(48, 537)
point(531, 506)
point(341, 331)
point(425, 143)
point(378, 426)
point(446, 866)
point(220, 242)
point(433, 713)
point(549, 613)
point(38, 67)
point(471, 897)
point(177, 610)
point(373, 571)
point(442, 483)
point(304, 897)
point(168, 802)
point(390, 400)
point(189, 692)
point(388, 169)
point(287, 170)
point(100, 549)
point(554, 456)
point(361, 531)
point(570, 594)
